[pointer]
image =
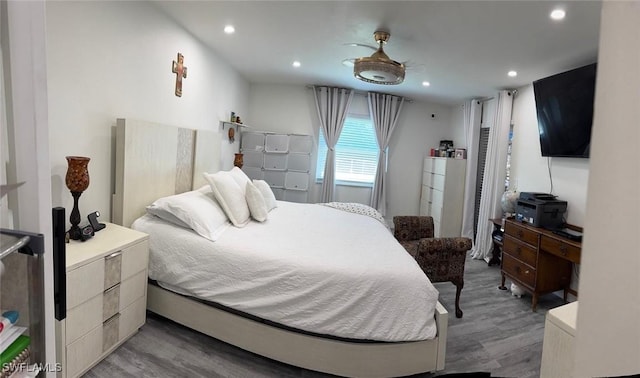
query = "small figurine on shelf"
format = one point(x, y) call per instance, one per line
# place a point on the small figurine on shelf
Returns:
point(238, 120)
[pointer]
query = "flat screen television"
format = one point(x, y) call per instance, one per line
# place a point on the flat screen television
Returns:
point(564, 105)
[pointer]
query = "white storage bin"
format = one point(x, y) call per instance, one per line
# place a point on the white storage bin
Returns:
point(278, 193)
point(297, 181)
point(298, 162)
point(275, 179)
point(253, 173)
point(275, 161)
point(252, 141)
point(295, 196)
point(300, 143)
point(252, 159)
point(278, 143)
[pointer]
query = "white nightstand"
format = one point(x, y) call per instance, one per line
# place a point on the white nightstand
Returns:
point(558, 347)
point(106, 296)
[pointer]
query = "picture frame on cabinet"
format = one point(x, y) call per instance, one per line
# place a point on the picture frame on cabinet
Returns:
point(460, 153)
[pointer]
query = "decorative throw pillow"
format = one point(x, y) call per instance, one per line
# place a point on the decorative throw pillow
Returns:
point(230, 197)
point(257, 205)
point(240, 177)
point(197, 210)
point(267, 193)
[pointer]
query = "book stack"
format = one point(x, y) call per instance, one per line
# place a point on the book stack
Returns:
point(14, 346)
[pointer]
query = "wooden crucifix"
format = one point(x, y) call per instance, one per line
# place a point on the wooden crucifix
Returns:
point(180, 70)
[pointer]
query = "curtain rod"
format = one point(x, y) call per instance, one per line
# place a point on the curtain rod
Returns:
point(356, 91)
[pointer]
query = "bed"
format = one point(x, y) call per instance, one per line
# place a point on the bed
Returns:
point(320, 334)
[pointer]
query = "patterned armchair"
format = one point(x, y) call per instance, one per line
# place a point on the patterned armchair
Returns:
point(441, 259)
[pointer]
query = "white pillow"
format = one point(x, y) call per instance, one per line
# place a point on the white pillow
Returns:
point(240, 177)
point(267, 193)
point(197, 210)
point(230, 196)
point(257, 206)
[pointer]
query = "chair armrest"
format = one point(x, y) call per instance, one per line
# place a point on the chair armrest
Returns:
point(442, 259)
point(412, 227)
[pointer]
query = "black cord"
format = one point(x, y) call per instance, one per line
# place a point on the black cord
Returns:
point(550, 177)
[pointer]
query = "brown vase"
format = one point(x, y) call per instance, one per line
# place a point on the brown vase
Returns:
point(77, 180)
point(238, 161)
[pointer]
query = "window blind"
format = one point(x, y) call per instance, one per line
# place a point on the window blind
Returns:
point(356, 152)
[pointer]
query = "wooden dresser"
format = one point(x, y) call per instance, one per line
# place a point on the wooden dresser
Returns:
point(537, 260)
point(106, 296)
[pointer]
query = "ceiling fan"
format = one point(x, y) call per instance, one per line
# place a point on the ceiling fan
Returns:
point(378, 68)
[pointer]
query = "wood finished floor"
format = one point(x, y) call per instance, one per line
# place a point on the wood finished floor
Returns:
point(498, 334)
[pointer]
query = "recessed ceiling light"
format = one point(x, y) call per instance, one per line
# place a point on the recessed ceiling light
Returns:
point(296, 64)
point(229, 29)
point(557, 14)
point(426, 83)
point(512, 73)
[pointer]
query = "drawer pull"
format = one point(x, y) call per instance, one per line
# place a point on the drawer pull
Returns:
point(112, 288)
point(520, 233)
point(111, 319)
point(563, 250)
point(114, 254)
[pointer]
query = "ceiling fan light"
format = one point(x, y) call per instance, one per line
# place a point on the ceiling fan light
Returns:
point(386, 72)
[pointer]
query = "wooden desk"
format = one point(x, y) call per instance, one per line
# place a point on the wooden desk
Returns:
point(537, 260)
point(497, 237)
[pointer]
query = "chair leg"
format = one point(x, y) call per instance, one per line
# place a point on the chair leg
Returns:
point(459, 285)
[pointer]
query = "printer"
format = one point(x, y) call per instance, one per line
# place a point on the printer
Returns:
point(540, 210)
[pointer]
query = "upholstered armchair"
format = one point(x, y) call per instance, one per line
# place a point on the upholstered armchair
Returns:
point(441, 259)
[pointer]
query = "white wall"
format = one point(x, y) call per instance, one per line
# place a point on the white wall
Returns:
point(291, 109)
point(529, 170)
point(109, 60)
point(608, 331)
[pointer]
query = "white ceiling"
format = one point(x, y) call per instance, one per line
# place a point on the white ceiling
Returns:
point(463, 48)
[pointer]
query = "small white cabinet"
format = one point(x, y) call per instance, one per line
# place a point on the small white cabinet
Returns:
point(106, 296)
point(442, 194)
point(558, 346)
point(282, 160)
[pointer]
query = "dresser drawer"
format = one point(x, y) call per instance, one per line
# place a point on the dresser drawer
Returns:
point(428, 165)
point(103, 306)
point(440, 166)
point(560, 248)
point(522, 233)
point(521, 251)
point(519, 271)
point(425, 195)
point(438, 182)
point(135, 258)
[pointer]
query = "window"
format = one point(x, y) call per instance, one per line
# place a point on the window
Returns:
point(356, 152)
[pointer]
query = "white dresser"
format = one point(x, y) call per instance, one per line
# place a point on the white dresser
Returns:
point(558, 347)
point(106, 296)
point(443, 194)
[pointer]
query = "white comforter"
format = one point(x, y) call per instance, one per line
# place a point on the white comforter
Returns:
point(310, 267)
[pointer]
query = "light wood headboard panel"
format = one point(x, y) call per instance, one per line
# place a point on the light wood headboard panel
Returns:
point(154, 160)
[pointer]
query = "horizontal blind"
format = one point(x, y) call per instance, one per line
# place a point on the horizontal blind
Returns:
point(356, 152)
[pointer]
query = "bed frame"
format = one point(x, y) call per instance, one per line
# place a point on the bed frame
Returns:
point(154, 161)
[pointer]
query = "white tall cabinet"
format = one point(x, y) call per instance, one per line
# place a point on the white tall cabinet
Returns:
point(443, 194)
point(282, 160)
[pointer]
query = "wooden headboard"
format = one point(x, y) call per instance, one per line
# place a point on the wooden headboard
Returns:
point(154, 160)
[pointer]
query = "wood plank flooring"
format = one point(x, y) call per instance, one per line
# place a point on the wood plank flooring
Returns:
point(498, 334)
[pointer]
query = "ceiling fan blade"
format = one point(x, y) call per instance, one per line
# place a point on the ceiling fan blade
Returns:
point(374, 48)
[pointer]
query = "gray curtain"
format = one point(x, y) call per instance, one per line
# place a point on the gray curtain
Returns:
point(472, 109)
point(493, 184)
point(332, 105)
point(385, 110)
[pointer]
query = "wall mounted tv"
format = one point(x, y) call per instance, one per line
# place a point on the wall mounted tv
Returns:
point(564, 105)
